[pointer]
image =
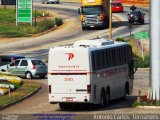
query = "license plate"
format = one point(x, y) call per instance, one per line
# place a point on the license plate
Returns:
point(92, 26)
point(69, 99)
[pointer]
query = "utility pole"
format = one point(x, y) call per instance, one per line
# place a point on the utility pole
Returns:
point(110, 20)
point(154, 92)
point(130, 30)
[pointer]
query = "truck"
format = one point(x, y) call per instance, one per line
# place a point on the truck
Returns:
point(94, 13)
point(92, 71)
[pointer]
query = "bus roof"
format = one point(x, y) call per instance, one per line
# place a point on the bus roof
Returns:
point(94, 44)
point(98, 43)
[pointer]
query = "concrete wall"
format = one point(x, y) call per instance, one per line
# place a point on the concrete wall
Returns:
point(135, 1)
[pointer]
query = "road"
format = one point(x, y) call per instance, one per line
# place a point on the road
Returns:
point(68, 33)
point(39, 102)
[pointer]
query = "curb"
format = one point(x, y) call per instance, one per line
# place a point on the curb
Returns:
point(143, 69)
point(45, 32)
point(139, 5)
point(20, 99)
point(148, 107)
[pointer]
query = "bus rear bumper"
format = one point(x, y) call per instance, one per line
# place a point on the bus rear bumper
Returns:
point(73, 98)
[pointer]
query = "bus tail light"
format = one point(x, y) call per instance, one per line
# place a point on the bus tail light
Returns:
point(88, 88)
point(49, 88)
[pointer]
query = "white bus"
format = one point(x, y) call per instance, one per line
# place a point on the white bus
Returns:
point(90, 71)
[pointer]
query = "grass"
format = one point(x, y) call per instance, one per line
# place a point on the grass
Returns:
point(144, 101)
point(9, 15)
point(139, 63)
point(9, 29)
point(17, 83)
point(22, 91)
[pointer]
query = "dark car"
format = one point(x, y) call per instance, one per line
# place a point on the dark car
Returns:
point(136, 16)
point(6, 59)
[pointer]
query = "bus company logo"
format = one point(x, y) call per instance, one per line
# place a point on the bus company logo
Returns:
point(70, 55)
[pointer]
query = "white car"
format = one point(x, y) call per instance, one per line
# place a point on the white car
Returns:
point(26, 67)
point(49, 1)
point(3, 68)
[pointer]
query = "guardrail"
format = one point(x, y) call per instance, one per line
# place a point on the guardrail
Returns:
point(135, 1)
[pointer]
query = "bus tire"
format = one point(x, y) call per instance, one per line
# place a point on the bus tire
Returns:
point(107, 98)
point(124, 96)
point(126, 91)
point(64, 105)
point(102, 99)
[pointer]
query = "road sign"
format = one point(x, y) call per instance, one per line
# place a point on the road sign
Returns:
point(141, 35)
point(24, 11)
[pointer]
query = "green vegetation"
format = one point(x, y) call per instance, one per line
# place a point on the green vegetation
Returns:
point(146, 103)
point(120, 39)
point(22, 91)
point(58, 21)
point(139, 63)
point(17, 83)
point(8, 26)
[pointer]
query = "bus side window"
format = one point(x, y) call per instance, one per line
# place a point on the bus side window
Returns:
point(99, 60)
point(106, 57)
point(103, 59)
point(109, 58)
point(93, 61)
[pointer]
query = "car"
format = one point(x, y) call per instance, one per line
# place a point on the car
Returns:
point(117, 6)
point(49, 1)
point(136, 16)
point(6, 59)
point(26, 67)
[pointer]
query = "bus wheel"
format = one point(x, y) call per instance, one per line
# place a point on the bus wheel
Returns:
point(107, 98)
point(64, 105)
point(124, 96)
point(102, 99)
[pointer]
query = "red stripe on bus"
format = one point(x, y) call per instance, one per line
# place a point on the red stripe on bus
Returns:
point(71, 72)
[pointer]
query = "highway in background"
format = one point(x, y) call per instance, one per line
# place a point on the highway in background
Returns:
point(70, 31)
